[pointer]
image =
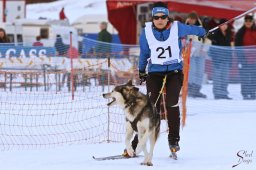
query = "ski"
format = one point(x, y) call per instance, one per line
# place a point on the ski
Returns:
point(114, 157)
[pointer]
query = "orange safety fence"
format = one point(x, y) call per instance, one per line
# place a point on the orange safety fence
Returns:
point(186, 64)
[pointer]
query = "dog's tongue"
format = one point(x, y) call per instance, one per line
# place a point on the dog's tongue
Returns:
point(111, 101)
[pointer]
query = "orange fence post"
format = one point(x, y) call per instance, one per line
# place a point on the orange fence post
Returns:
point(186, 65)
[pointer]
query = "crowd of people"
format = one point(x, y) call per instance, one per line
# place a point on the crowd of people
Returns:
point(225, 50)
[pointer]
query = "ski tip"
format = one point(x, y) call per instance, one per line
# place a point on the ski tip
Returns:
point(93, 157)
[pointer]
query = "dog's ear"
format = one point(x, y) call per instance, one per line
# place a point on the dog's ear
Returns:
point(129, 83)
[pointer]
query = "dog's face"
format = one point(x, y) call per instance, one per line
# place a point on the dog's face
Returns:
point(121, 94)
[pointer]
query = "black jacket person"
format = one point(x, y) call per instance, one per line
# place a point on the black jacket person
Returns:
point(104, 48)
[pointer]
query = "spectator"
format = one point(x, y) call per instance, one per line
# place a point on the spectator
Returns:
point(104, 36)
point(3, 37)
point(212, 22)
point(206, 22)
point(60, 46)
point(38, 42)
point(197, 61)
point(221, 60)
point(246, 36)
point(62, 14)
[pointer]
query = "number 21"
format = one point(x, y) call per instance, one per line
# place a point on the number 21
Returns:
point(162, 50)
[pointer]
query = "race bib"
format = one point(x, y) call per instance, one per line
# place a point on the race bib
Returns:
point(163, 52)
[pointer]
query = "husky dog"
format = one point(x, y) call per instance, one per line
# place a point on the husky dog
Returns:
point(141, 117)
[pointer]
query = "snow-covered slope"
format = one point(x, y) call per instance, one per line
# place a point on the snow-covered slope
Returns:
point(73, 9)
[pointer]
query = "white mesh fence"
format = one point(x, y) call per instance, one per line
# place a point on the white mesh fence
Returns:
point(36, 106)
point(224, 68)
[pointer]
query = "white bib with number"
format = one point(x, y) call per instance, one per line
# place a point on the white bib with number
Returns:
point(164, 52)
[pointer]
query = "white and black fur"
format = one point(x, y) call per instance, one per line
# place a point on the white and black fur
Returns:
point(141, 117)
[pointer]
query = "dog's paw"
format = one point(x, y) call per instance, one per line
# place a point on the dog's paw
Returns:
point(130, 152)
point(146, 163)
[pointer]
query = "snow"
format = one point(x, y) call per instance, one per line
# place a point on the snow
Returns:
point(78, 11)
point(215, 132)
point(73, 9)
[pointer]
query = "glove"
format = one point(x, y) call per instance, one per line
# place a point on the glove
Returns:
point(142, 76)
point(205, 35)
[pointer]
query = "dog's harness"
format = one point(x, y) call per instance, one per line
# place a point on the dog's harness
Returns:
point(135, 121)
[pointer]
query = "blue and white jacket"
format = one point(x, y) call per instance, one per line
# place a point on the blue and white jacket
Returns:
point(145, 52)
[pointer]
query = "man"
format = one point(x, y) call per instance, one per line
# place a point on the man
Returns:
point(246, 36)
point(221, 56)
point(197, 61)
point(61, 48)
point(160, 49)
point(38, 41)
point(104, 36)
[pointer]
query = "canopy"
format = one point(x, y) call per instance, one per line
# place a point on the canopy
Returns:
point(122, 13)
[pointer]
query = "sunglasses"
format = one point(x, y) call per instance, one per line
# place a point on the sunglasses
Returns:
point(248, 20)
point(162, 17)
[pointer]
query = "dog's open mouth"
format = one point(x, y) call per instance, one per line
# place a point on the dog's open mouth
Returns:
point(113, 100)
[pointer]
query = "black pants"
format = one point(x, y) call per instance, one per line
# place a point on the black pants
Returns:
point(173, 86)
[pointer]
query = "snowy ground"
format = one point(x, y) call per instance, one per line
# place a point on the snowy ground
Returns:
point(73, 9)
point(216, 131)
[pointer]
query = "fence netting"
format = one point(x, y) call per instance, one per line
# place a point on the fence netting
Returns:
point(37, 82)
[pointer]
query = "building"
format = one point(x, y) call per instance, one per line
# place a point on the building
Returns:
point(12, 9)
